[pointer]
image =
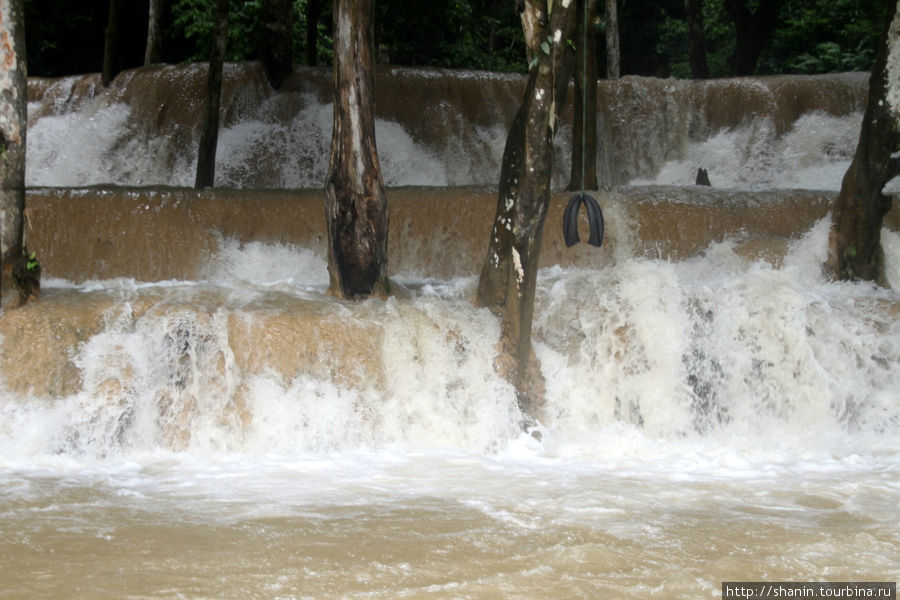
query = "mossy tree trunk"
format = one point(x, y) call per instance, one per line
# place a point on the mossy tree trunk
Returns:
point(209, 134)
point(509, 273)
point(356, 206)
point(854, 250)
point(13, 120)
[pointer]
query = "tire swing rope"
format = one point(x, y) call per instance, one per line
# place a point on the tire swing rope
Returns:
point(594, 214)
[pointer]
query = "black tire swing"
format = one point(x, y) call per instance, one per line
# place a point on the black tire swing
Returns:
point(595, 220)
point(594, 214)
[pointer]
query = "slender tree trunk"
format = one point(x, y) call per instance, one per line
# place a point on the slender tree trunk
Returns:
point(356, 206)
point(153, 51)
point(275, 45)
point(313, 14)
point(584, 130)
point(13, 119)
point(696, 39)
point(508, 277)
point(753, 31)
point(613, 49)
point(855, 250)
point(112, 60)
point(209, 136)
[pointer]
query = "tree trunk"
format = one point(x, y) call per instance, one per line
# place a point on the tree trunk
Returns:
point(696, 39)
point(854, 249)
point(313, 14)
point(355, 202)
point(753, 31)
point(613, 50)
point(508, 277)
point(13, 119)
point(112, 59)
point(275, 45)
point(153, 52)
point(209, 136)
point(584, 121)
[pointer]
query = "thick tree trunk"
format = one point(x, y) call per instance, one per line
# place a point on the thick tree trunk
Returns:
point(696, 39)
point(112, 60)
point(313, 14)
point(153, 51)
point(508, 277)
point(355, 202)
point(13, 119)
point(753, 31)
point(275, 45)
point(584, 130)
point(855, 250)
point(209, 135)
point(613, 49)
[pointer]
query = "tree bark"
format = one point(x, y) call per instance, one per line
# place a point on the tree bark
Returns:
point(313, 14)
point(584, 128)
point(275, 45)
point(153, 51)
point(13, 119)
point(509, 274)
point(356, 206)
point(753, 31)
point(696, 39)
point(613, 49)
point(112, 60)
point(209, 135)
point(854, 249)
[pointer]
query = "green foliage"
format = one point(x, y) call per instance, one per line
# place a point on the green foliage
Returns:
point(829, 57)
point(474, 34)
point(193, 21)
point(821, 36)
point(32, 264)
point(813, 36)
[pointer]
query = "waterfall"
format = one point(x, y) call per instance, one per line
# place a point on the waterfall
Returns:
point(439, 127)
point(185, 412)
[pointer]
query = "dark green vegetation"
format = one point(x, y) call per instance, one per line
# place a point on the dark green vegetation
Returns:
point(811, 36)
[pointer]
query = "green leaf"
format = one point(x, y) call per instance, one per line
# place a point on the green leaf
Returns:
point(32, 263)
point(545, 46)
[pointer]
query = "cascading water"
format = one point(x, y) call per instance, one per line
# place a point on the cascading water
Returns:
point(209, 424)
point(440, 128)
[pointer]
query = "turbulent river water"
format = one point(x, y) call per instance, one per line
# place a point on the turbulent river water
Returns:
point(185, 414)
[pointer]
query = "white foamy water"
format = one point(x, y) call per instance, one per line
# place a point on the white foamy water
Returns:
point(99, 144)
point(283, 141)
point(814, 154)
point(707, 420)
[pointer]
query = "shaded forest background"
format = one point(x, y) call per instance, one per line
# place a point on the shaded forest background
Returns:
point(812, 36)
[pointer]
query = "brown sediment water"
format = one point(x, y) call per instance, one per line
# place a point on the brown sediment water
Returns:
point(154, 234)
point(98, 539)
point(436, 126)
point(185, 413)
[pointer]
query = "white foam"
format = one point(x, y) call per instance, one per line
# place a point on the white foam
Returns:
point(814, 154)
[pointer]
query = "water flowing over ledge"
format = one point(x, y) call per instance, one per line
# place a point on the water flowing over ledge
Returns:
point(185, 408)
point(180, 316)
point(439, 127)
point(154, 234)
